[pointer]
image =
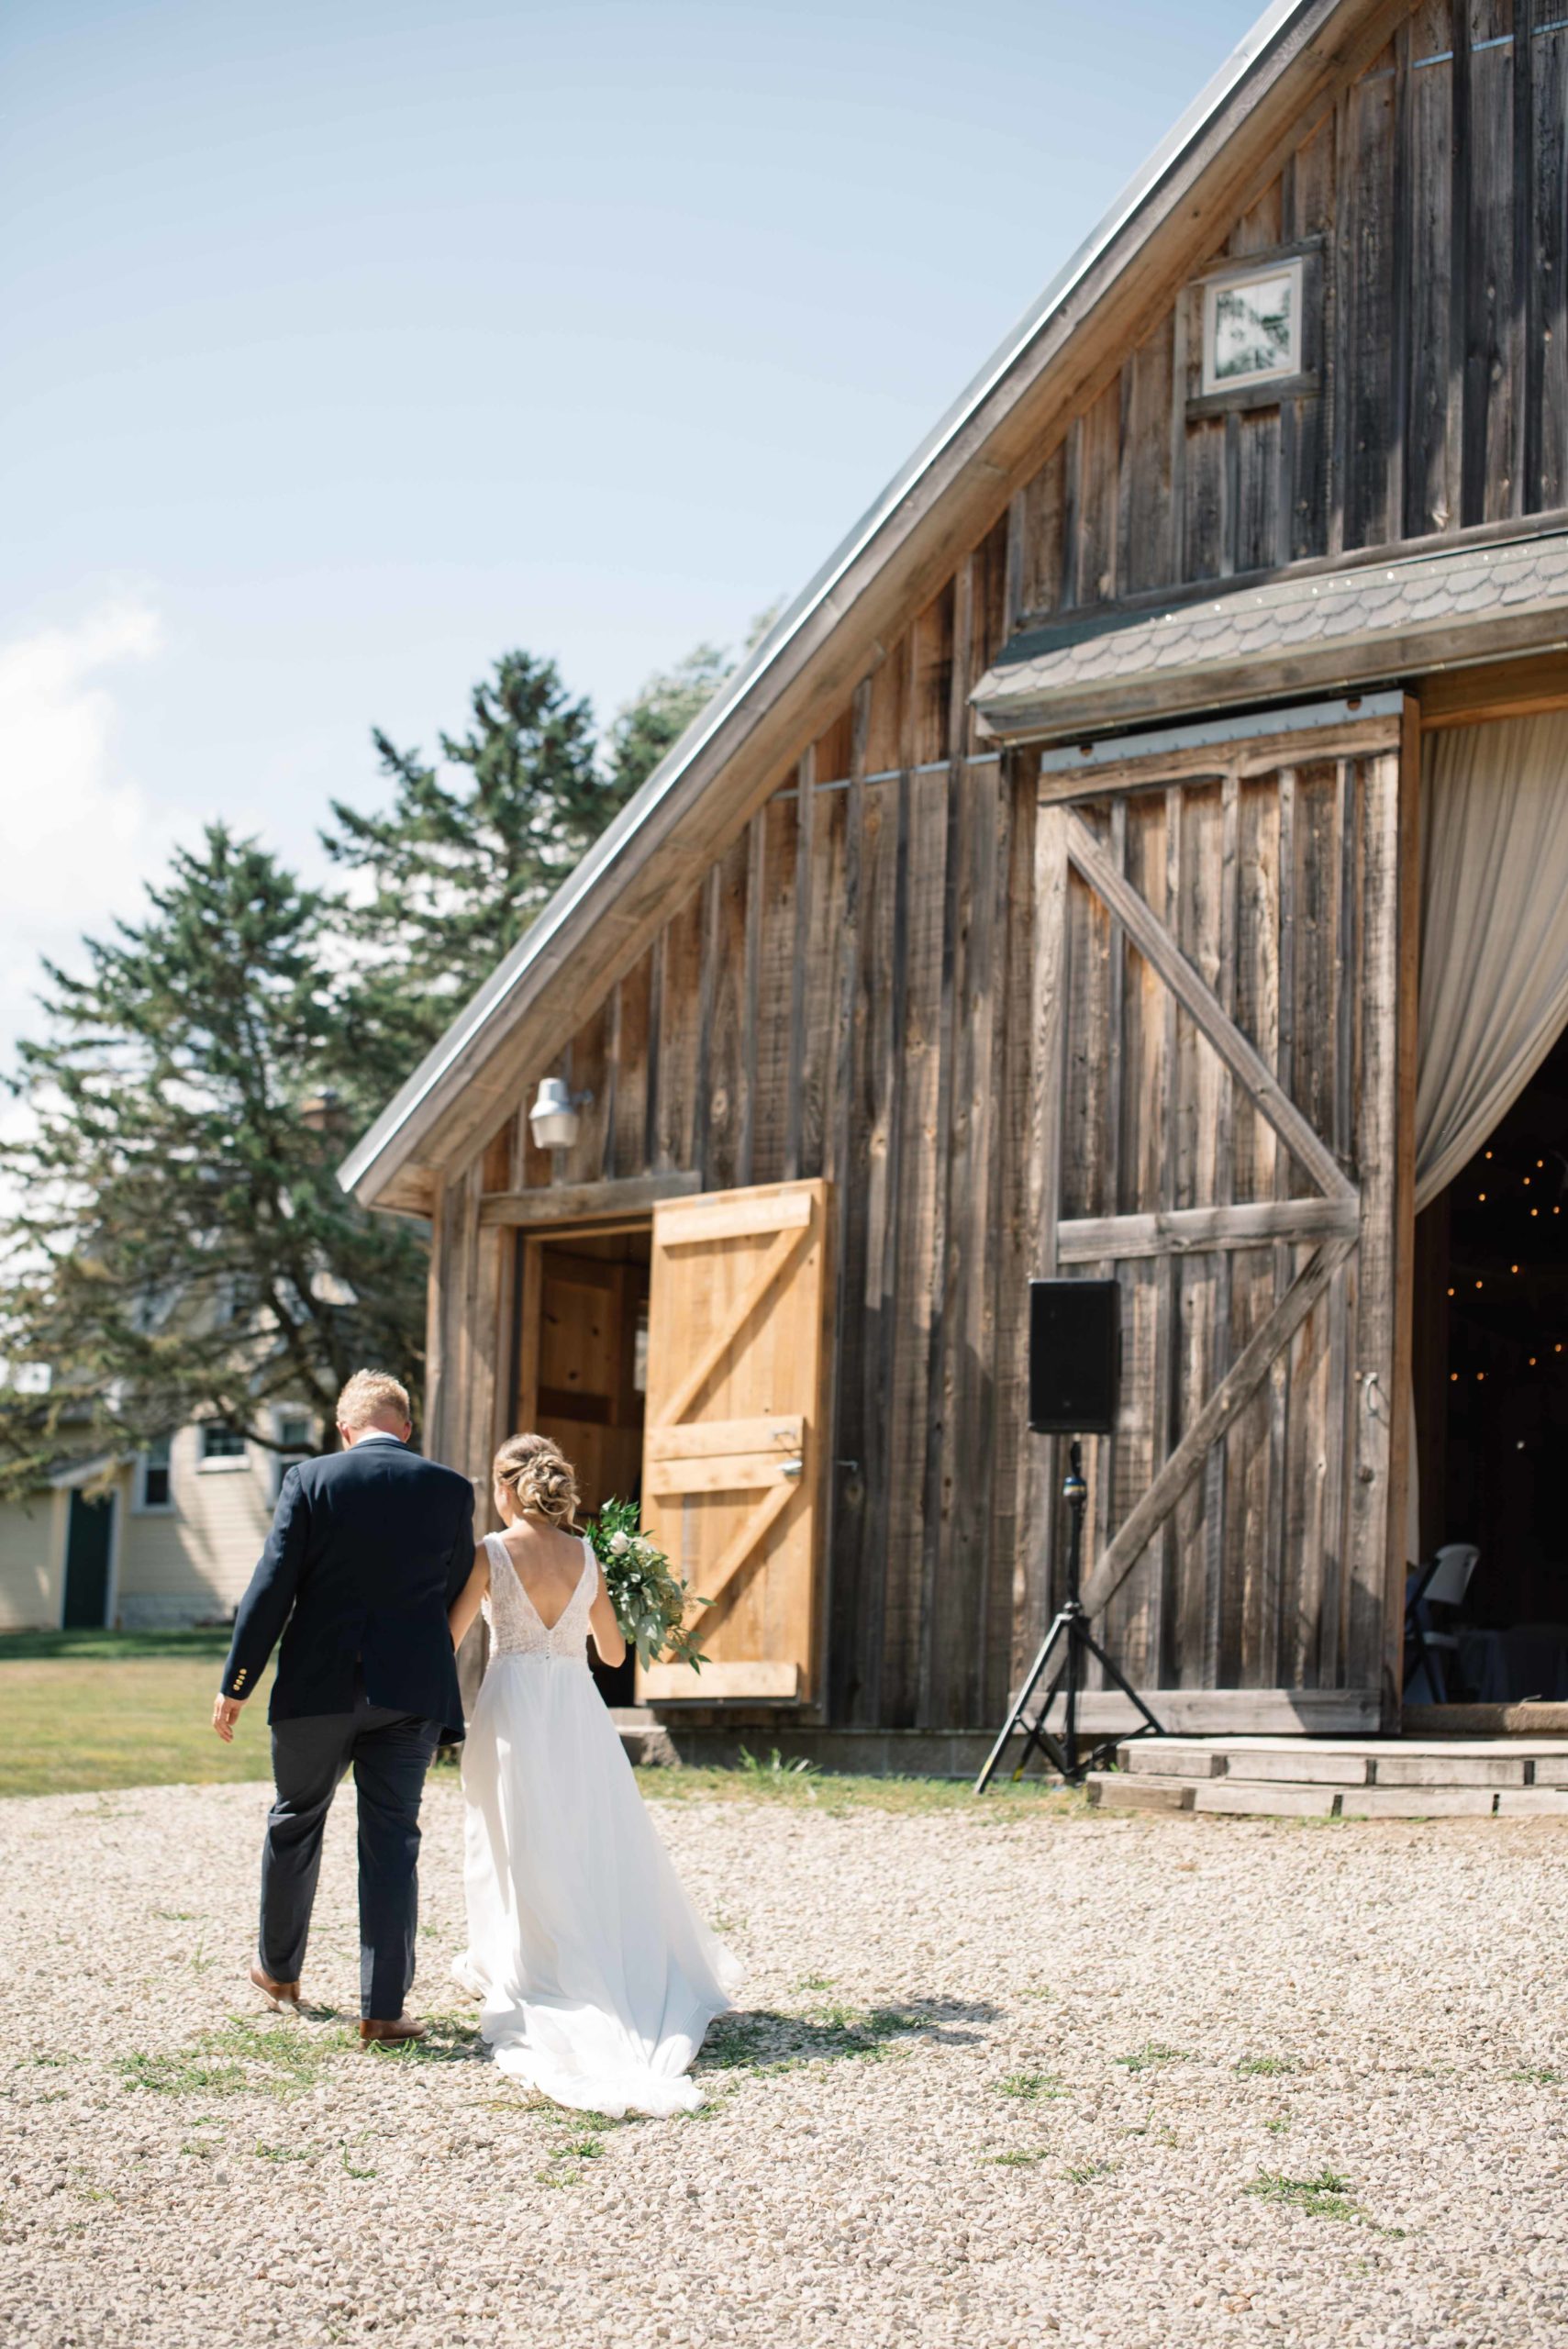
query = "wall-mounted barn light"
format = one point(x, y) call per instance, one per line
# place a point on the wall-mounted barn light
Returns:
point(553, 1118)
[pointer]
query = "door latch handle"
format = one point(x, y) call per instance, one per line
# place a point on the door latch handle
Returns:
point(792, 1467)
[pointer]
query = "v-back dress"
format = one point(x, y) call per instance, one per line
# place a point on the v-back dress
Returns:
point(596, 1976)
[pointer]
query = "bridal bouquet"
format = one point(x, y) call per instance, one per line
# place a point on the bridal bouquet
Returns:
point(648, 1596)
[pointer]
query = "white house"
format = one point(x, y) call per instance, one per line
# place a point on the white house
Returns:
point(172, 1541)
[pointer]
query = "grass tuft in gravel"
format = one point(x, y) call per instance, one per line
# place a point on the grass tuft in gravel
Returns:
point(1031, 2087)
point(1019, 2160)
point(1537, 2075)
point(1265, 2067)
point(1327, 2196)
point(1151, 2056)
point(1088, 2173)
point(448, 2039)
point(767, 2040)
point(240, 2059)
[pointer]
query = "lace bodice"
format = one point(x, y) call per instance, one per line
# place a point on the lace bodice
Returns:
point(514, 1621)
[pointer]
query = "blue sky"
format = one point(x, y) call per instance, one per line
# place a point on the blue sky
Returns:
point(346, 345)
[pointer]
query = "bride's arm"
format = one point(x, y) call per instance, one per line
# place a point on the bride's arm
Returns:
point(465, 1606)
point(601, 1622)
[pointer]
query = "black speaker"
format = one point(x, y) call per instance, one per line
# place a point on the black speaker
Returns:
point(1074, 1356)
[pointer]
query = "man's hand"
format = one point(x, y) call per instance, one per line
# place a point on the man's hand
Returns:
point(225, 1713)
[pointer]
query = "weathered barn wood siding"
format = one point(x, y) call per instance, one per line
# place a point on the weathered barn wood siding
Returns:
point(843, 995)
point(856, 987)
point(1267, 892)
point(1430, 207)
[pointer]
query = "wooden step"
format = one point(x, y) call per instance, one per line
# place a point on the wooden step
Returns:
point(1281, 1798)
point(1120, 1790)
point(1388, 1763)
point(1417, 1802)
point(1266, 1799)
point(1533, 1802)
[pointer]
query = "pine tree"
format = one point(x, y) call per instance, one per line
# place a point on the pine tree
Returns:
point(454, 872)
point(653, 722)
point(179, 1248)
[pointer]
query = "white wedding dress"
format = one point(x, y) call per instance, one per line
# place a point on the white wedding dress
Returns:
point(596, 1976)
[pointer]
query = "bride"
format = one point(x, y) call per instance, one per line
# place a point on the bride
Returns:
point(596, 1976)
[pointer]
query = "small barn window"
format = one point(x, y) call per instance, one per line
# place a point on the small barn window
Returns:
point(1253, 327)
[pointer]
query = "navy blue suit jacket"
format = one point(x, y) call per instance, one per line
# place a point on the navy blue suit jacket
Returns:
point(369, 1548)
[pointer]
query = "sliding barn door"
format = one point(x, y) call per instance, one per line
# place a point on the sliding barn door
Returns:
point(732, 1478)
point(1219, 997)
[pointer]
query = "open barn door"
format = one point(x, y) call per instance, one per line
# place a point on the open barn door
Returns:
point(734, 1436)
point(1223, 1019)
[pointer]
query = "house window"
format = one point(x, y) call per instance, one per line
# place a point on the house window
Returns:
point(296, 1441)
point(222, 1447)
point(157, 1489)
point(1251, 327)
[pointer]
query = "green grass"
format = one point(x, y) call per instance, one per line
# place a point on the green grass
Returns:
point(1327, 2196)
point(1031, 2087)
point(448, 2039)
point(1151, 2056)
point(825, 1791)
point(1021, 2160)
point(113, 1647)
point(85, 1712)
point(766, 2042)
point(1265, 2067)
point(82, 1724)
point(242, 2058)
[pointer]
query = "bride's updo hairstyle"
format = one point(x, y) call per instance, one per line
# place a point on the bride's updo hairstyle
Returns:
point(543, 1480)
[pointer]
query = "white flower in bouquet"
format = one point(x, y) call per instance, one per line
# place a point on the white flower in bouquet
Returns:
point(650, 1597)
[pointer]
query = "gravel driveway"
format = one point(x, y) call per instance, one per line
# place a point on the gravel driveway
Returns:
point(1004, 2078)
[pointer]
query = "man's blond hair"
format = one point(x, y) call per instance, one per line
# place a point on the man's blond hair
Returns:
point(367, 1395)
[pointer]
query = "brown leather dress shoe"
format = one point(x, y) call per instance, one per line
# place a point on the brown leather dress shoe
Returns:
point(280, 1996)
point(404, 2028)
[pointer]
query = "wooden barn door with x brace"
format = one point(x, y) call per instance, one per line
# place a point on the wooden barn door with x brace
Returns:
point(734, 1440)
point(1221, 1024)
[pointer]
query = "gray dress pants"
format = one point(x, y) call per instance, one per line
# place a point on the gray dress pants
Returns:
point(390, 1751)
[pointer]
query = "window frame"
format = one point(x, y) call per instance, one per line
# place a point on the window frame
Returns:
point(287, 1456)
point(146, 1466)
point(221, 1463)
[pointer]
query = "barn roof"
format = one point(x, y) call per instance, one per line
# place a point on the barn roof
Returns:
point(810, 660)
point(1331, 629)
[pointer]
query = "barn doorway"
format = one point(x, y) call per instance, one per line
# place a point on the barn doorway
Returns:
point(1491, 1377)
point(583, 1366)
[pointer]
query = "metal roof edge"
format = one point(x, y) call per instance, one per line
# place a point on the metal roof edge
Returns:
point(1265, 34)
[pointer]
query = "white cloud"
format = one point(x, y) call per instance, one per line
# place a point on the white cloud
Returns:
point(78, 836)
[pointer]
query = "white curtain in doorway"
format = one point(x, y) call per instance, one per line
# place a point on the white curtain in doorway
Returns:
point(1494, 930)
point(1494, 993)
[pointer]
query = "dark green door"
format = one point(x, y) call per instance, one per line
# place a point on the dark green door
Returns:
point(88, 1563)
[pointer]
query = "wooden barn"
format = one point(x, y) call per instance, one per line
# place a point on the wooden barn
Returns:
point(1141, 852)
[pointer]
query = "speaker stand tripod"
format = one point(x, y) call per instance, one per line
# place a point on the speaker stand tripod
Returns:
point(1065, 1645)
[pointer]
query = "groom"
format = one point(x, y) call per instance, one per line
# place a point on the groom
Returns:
point(369, 1548)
